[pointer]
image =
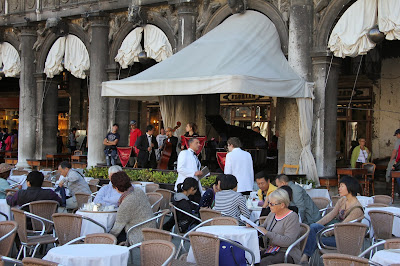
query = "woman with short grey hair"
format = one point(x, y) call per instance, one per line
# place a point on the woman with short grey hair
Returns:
point(280, 196)
point(107, 195)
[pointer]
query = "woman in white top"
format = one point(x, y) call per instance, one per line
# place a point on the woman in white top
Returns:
point(360, 154)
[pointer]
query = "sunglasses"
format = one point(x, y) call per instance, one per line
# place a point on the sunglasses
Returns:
point(273, 204)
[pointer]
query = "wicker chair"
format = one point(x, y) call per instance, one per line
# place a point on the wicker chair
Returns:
point(68, 226)
point(261, 220)
point(47, 183)
point(4, 259)
point(4, 215)
point(94, 185)
point(82, 198)
point(152, 187)
point(8, 230)
point(38, 262)
point(382, 223)
point(335, 259)
point(224, 221)
point(321, 202)
point(392, 243)
point(334, 200)
point(101, 238)
point(31, 242)
point(385, 199)
point(167, 195)
point(165, 252)
point(206, 248)
point(174, 210)
point(156, 234)
point(370, 167)
point(155, 200)
point(377, 205)
point(206, 214)
point(45, 209)
point(349, 238)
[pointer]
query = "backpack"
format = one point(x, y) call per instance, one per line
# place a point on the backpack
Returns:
point(230, 255)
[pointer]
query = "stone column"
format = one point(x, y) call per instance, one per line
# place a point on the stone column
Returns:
point(325, 113)
point(75, 102)
point(300, 40)
point(27, 97)
point(97, 105)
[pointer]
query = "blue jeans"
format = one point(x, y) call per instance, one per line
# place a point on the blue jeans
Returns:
point(111, 155)
point(311, 244)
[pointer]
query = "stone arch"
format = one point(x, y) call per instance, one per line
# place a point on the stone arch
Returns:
point(128, 27)
point(266, 8)
point(51, 38)
point(13, 40)
point(333, 12)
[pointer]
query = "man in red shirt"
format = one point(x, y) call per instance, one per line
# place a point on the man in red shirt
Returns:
point(133, 135)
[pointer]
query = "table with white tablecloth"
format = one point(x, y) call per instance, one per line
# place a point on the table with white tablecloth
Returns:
point(4, 208)
point(318, 192)
point(248, 237)
point(107, 219)
point(255, 213)
point(89, 255)
point(387, 257)
point(365, 201)
point(396, 221)
point(15, 180)
point(142, 185)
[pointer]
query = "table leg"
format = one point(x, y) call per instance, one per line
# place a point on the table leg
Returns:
point(392, 189)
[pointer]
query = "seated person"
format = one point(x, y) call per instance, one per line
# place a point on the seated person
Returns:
point(308, 211)
point(265, 187)
point(34, 192)
point(107, 195)
point(181, 201)
point(208, 198)
point(74, 181)
point(230, 202)
point(134, 208)
point(292, 207)
point(347, 209)
point(281, 229)
point(5, 170)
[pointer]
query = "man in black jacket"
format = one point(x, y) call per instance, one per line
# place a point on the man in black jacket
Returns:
point(147, 144)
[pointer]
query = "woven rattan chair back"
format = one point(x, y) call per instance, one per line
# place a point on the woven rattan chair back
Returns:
point(44, 209)
point(67, 226)
point(377, 205)
point(205, 248)
point(304, 229)
point(37, 262)
point(156, 234)
point(350, 237)
point(82, 198)
point(334, 200)
point(7, 243)
point(382, 223)
point(101, 238)
point(175, 218)
point(335, 259)
point(167, 195)
point(321, 202)
point(392, 243)
point(152, 187)
point(385, 199)
point(47, 183)
point(93, 184)
point(153, 197)
point(224, 221)
point(261, 220)
point(155, 252)
point(206, 213)
point(20, 218)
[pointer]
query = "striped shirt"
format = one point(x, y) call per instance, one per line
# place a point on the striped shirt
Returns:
point(231, 203)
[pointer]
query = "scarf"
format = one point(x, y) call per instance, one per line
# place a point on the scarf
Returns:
point(123, 196)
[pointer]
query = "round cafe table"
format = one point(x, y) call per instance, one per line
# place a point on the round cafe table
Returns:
point(365, 201)
point(107, 219)
point(89, 255)
point(396, 221)
point(248, 237)
point(387, 257)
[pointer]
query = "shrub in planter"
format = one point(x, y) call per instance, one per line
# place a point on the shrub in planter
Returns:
point(209, 181)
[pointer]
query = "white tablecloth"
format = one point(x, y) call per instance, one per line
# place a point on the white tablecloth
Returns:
point(142, 185)
point(387, 257)
point(107, 219)
point(318, 192)
point(4, 208)
point(365, 201)
point(20, 179)
point(396, 221)
point(248, 237)
point(89, 255)
point(255, 213)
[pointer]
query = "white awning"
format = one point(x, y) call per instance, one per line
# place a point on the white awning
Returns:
point(242, 55)
point(9, 60)
point(389, 18)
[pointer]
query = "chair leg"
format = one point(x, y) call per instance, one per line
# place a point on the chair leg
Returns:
point(34, 250)
point(20, 252)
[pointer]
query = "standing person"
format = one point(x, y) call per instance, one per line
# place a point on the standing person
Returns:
point(14, 140)
point(111, 142)
point(134, 133)
point(360, 154)
point(189, 166)
point(174, 141)
point(74, 181)
point(4, 136)
point(394, 154)
point(160, 141)
point(240, 164)
point(72, 140)
point(191, 131)
point(8, 143)
point(308, 211)
point(59, 142)
point(147, 144)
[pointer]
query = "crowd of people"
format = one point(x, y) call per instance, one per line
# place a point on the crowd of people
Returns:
point(8, 141)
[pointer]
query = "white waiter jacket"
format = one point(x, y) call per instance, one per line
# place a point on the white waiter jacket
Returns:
point(240, 164)
point(187, 166)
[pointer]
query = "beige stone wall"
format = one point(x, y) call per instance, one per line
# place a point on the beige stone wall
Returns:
point(386, 116)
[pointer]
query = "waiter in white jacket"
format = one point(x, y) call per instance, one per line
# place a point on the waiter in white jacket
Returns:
point(240, 164)
point(189, 166)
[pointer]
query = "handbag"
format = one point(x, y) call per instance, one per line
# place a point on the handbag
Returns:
point(230, 255)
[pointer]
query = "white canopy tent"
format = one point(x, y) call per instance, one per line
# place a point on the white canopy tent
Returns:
point(9, 60)
point(242, 55)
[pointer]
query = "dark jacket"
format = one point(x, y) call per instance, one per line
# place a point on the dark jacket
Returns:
point(30, 194)
point(182, 202)
point(143, 158)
